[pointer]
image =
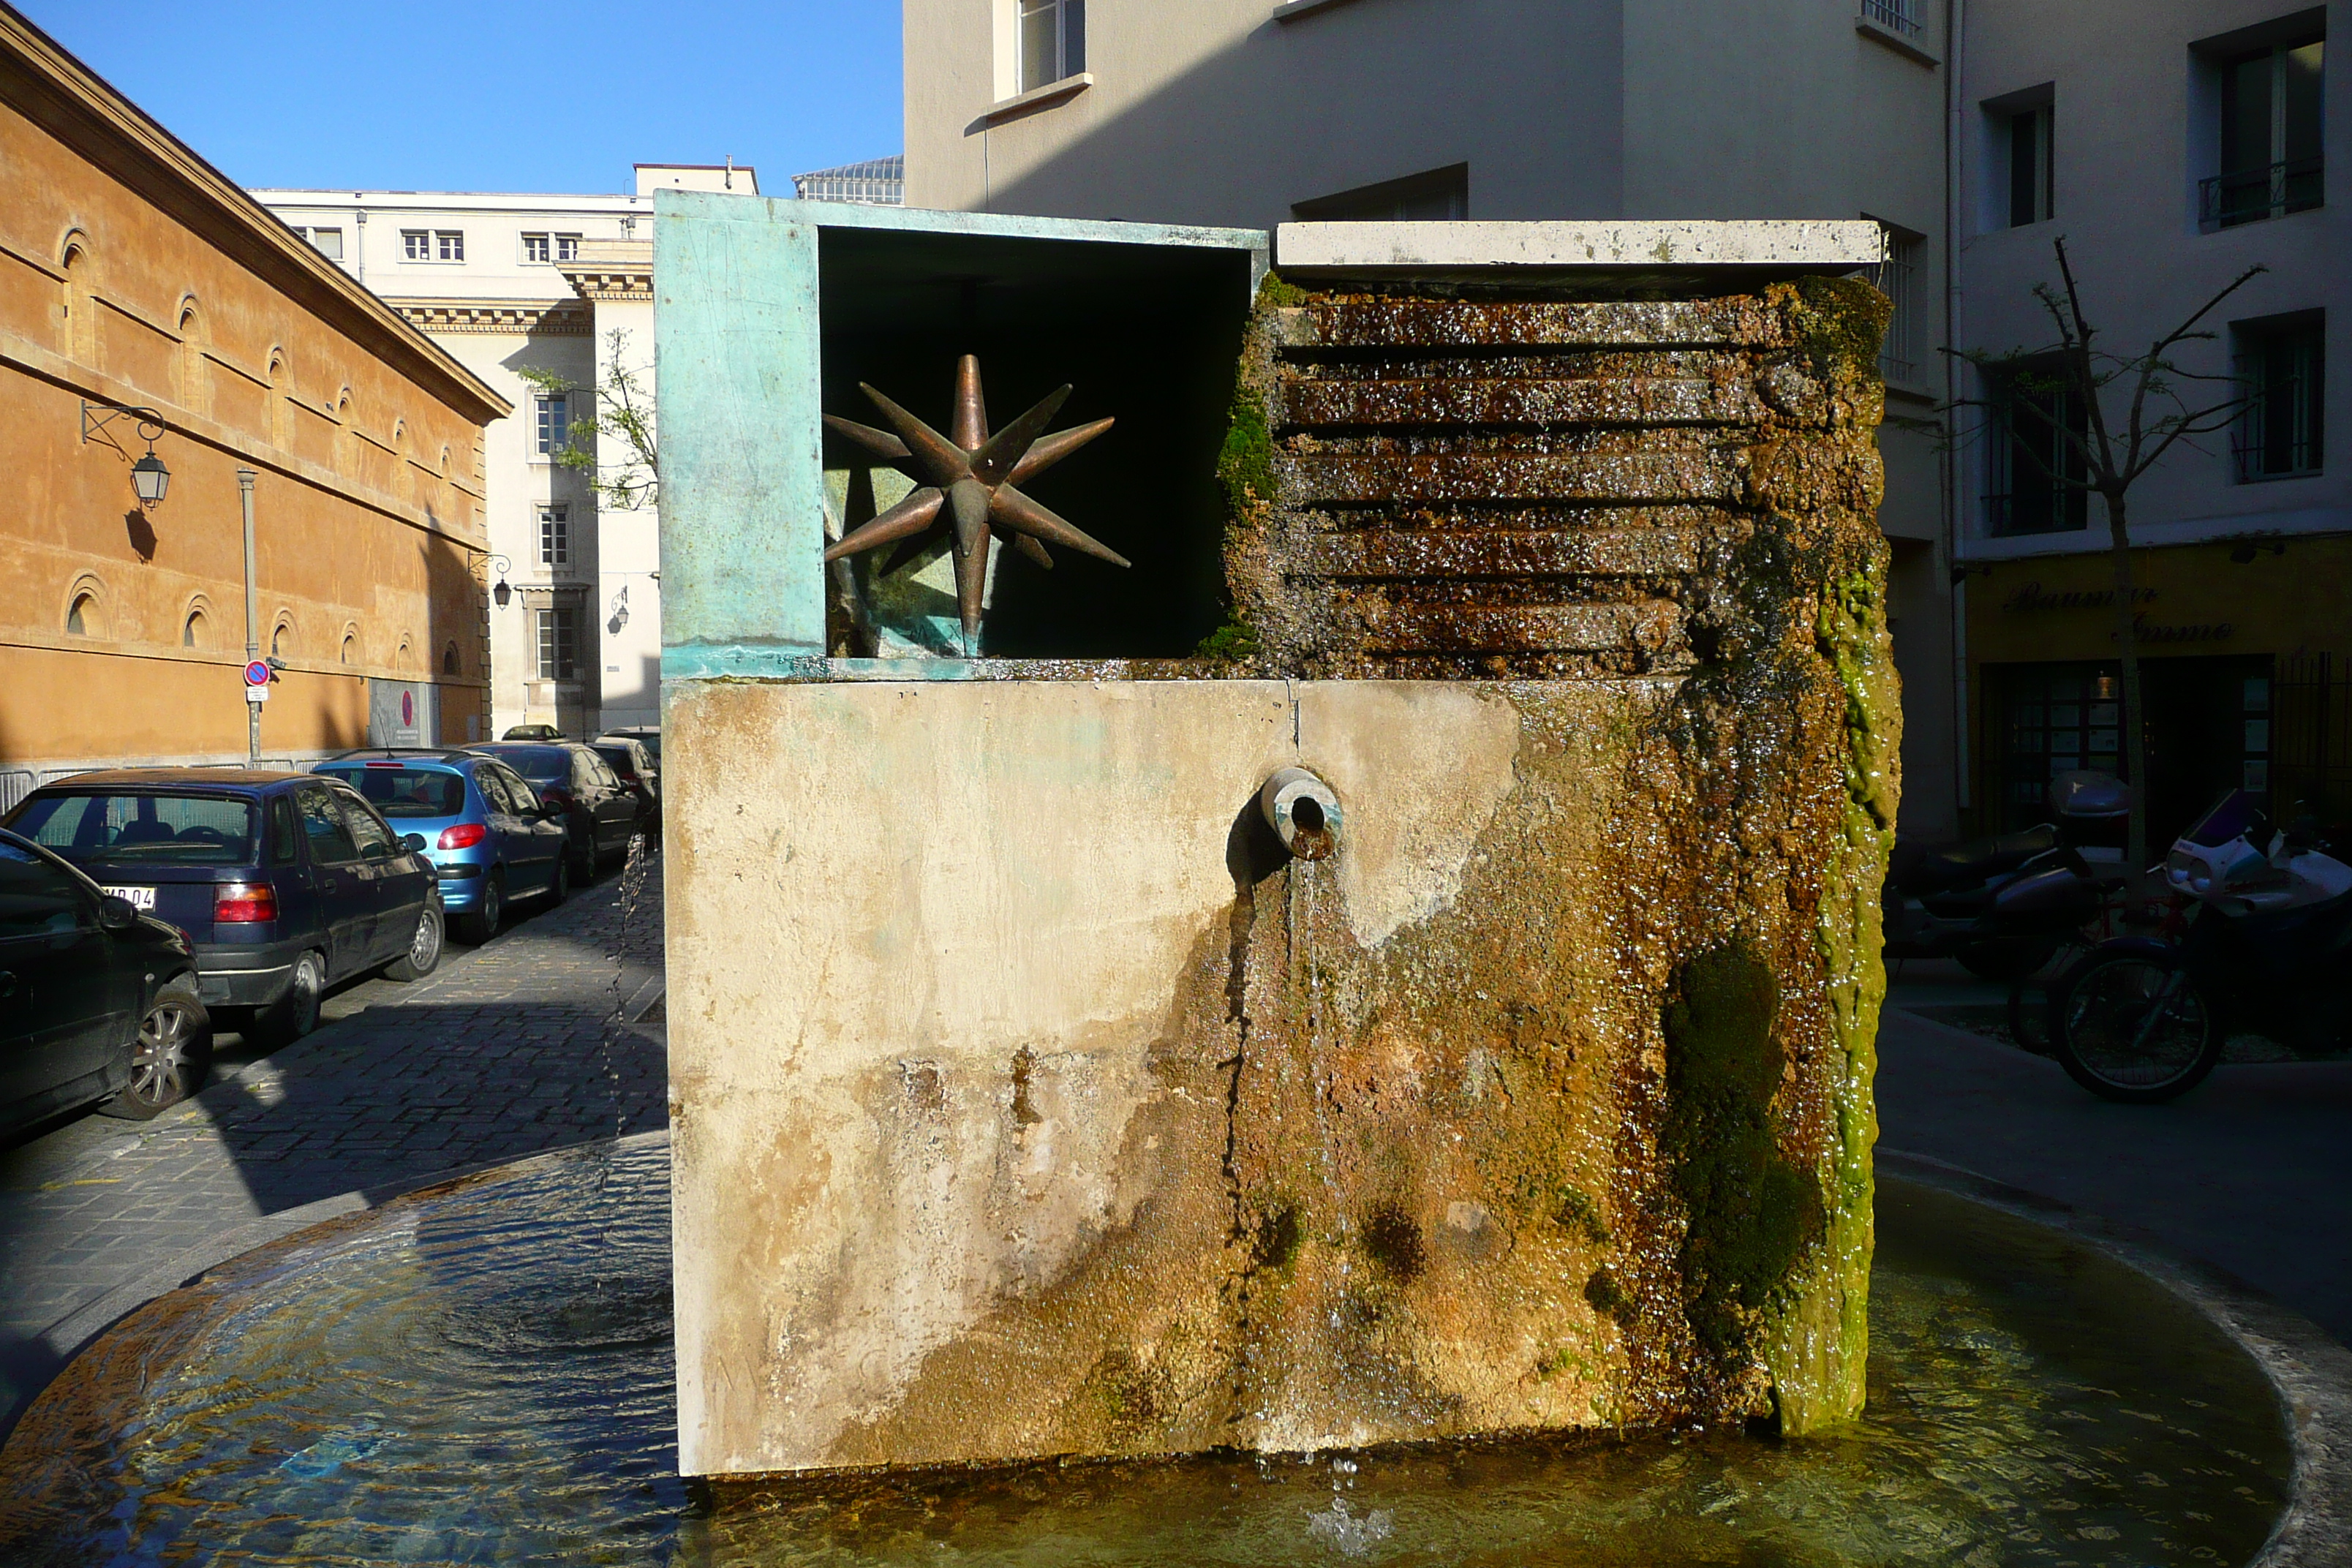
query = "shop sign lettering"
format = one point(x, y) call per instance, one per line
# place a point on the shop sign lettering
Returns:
point(2031, 596)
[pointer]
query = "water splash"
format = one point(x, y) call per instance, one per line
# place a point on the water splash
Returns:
point(1354, 1536)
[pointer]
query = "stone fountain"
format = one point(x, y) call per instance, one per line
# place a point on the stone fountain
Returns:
point(1031, 1097)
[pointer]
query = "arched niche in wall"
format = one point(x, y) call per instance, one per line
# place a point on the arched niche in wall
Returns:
point(76, 310)
point(85, 611)
point(195, 374)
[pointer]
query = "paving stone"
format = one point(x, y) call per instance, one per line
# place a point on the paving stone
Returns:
point(510, 1048)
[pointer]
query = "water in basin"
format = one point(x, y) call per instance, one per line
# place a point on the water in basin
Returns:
point(482, 1374)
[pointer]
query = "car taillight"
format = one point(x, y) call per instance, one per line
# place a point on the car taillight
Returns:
point(465, 836)
point(244, 903)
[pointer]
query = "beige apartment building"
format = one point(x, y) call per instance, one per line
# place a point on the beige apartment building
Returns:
point(1252, 112)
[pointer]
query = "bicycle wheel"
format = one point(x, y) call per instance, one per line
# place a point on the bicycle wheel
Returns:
point(2135, 1028)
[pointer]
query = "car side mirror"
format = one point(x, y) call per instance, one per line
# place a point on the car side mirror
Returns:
point(117, 914)
point(413, 842)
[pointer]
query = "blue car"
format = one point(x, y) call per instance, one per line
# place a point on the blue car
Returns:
point(284, 883)
point(491, 837)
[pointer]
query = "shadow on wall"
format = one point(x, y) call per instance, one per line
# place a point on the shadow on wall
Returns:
point(456, 613)
point(1342, 99)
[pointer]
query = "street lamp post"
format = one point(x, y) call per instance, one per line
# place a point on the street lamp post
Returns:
point(245, 478)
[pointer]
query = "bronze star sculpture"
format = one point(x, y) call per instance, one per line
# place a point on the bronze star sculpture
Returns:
point(966, 487)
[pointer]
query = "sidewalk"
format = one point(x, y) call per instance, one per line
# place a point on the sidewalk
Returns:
point(508, 1050)
point(2252, 1170)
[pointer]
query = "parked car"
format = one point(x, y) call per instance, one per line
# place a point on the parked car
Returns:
point(97, 1002)
point(599, 809)
point(645, 735)
point(635, 767)
point(285, 882)
point(489, 836)
point(532, 732)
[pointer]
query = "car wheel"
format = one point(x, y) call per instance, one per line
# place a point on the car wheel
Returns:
point(296, 1014)
point(559, 886)
point(584, 859)
point(424, 948)
point(481, 923)
point(169, 1058)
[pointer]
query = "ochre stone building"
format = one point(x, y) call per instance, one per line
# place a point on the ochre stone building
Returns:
point(134, 274)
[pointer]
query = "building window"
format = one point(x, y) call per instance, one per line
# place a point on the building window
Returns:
point(326, 242)
point(80, 614)
point(1434, 193)
point(567, 248)
point(554, 424)
point(2055, 719)
point(558, 639)
point(1895, 16)
point(1052, 41)
point(192, 630)
point(433, 244)
point(534, 247)
point(1899, 278)
point(449, 665)
point(2282, 368)
point(555, 536)
point(2032, 164)
point(2271, 128)
point(2035, 469)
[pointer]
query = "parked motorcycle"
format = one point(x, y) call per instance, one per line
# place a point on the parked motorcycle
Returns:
point(2267, 948)
point(2003, 906)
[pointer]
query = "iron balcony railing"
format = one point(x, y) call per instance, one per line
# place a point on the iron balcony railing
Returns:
point(2250, 195)
point(1894, 15)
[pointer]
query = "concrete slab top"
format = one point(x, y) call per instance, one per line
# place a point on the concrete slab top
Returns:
point(1579, 248)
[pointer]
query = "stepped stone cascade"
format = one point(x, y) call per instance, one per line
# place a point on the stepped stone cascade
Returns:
point(1032, 1098)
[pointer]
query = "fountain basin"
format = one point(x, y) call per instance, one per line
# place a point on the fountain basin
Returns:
point(482, 1372)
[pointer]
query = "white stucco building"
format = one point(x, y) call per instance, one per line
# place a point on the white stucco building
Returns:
point(554, 283)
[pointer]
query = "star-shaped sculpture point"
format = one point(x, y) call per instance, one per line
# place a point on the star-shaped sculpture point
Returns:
point(965, 487)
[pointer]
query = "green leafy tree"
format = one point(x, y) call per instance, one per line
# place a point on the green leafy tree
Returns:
point(2134, 409)
point(611, 443)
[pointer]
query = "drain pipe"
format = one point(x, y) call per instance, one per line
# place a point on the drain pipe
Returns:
point(1955, 25)
point(245, 478)
point(1304, 812)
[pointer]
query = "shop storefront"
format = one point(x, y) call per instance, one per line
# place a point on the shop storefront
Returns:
point(2247, 683)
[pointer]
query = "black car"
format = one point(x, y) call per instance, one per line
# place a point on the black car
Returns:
point(600, 811)
point(635, 766)
point(285, 882)
point(97, 1002)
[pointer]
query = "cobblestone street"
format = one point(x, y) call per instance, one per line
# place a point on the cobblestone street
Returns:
point(548, 1036)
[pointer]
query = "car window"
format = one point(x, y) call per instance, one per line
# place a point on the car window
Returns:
point(159, 829)
point(494, 790)
point(526, 799)
point(368, 830)
point(323, 821)
point(406, 792)
point(282, 832)
point(604, 771)
point(617, 759)
point(37, 898)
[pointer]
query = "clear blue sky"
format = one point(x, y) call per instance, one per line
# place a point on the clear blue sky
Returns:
point(563, 95)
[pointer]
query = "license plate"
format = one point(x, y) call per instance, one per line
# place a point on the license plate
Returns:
point(137, 898)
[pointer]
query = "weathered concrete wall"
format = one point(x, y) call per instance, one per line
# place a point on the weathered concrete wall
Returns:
point(1029, 1099)
point(1027, 1102)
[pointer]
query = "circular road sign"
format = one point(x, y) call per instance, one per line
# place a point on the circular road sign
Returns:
point(256, 673)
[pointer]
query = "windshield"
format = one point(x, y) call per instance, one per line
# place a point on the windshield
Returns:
point(400, 791)
point(540, 765)
point(2233, 817)
point(154, 829)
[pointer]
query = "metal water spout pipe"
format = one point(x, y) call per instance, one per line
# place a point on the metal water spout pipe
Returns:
point(1304, 812)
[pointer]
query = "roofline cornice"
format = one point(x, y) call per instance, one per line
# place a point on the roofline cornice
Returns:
point(49, 87)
